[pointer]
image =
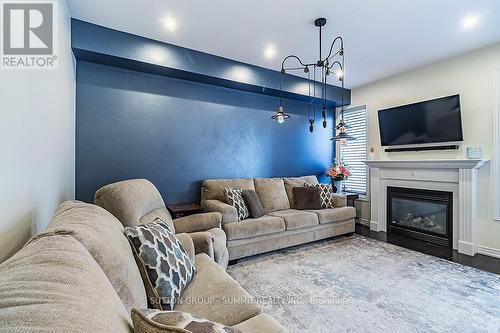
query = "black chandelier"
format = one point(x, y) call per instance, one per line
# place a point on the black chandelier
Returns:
point(333, 63)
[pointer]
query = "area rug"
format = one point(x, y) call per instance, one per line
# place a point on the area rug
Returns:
point(357, 284)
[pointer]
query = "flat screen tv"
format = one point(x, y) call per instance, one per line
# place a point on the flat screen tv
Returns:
point(433, 121)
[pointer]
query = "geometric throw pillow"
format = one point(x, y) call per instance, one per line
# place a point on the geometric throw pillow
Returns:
point(165, 267)
point(326, 194)
point(152, 321)
point(234, 198)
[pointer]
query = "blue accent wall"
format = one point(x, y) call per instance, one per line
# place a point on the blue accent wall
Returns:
point(176, 133)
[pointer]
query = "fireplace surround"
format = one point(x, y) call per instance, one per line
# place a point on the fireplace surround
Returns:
point(458, 176)
point(421, 214)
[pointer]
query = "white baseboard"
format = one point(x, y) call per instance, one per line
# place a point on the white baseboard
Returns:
point(488, 251)
point(364, 222)
point(466, 248)
point(374, 226)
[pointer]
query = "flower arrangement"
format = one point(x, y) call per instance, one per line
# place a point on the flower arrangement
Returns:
point(338, 172)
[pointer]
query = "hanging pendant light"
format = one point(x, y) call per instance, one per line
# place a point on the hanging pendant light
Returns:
point(326, 66)
point(280, 115)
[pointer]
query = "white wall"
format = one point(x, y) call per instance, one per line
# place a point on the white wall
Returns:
point(37, 139)
point(472, 76)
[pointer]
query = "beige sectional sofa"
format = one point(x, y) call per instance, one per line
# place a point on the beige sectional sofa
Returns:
point(282, 226)
point(80, 276)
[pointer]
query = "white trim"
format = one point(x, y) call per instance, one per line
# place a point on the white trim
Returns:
point(364, 222)
point(496, 148)
point(420, 164)
point(456, 176)
point(488, 251)
point(338, 148)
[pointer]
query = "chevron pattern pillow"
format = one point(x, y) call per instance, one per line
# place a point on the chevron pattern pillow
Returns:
point(149, 320)
point(234, 197)
point(165, 267)
point(326, 194)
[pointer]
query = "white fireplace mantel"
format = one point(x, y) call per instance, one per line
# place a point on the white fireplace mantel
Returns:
point(458, 176)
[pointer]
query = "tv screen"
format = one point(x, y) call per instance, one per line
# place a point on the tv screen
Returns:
point(433, 121)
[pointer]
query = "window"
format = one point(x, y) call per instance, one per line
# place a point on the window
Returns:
point(353, 153)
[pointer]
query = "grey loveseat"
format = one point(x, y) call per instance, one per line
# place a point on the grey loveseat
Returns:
point(282, 226)
point(80, 276)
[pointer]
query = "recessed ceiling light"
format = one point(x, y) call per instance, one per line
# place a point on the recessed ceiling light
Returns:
point(170, 23)
point(469, 22)
point(270, 51)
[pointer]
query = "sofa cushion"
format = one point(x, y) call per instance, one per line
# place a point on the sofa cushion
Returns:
point(165, 266)
point(292, 182)
point(102, 235)
point(296, 219)
point(307, 198)
point(54, 285)
point(253, 204)
point(335, 214)
point(261, 323)
point(155, 321)
point(214, 295)
point(326, 194)
point(214, 188)
point(234, 197)
point(272, 193)
point(254, 227)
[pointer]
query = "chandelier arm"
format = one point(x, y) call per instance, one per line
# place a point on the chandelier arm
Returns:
point(333, 45)
point(336, 63)
point(293, 68)
point(291, 56)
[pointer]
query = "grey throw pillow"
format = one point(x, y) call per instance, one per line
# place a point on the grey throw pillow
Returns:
point(253, 203)
point(326, 194)
point(307, 197)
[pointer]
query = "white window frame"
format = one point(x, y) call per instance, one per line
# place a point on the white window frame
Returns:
point(496, 147)
point(338, 147)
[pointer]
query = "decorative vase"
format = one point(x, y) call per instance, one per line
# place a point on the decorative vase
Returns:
point(339, 185)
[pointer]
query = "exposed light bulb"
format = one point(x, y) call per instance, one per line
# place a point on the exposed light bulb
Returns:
point(343, 142)
point(339, 73)
point(280, 118)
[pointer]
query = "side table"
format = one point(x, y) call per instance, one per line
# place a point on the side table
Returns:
point(183, 210)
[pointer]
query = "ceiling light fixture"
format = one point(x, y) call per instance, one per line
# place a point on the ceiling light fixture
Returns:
point(270, 51)
point(469, 22)
point(170, 24)
point(333, 63)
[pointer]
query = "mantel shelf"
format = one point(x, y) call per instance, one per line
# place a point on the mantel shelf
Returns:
point(434, 164)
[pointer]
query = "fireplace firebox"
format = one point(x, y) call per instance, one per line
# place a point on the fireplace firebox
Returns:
point(421, 214)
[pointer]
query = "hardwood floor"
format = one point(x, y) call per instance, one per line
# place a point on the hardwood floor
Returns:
point(479, 261)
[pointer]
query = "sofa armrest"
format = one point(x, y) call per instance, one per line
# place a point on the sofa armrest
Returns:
point(187, 244)
point(203, 243)
point(229, 213)
point(198, 222)
point(339, 200)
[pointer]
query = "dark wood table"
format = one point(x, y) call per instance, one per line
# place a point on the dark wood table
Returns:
point(182, 210)
point(351, 198)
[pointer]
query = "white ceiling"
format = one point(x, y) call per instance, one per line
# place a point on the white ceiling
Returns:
point(382, 37)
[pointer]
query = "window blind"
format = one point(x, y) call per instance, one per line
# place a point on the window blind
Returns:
point(353, 153)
